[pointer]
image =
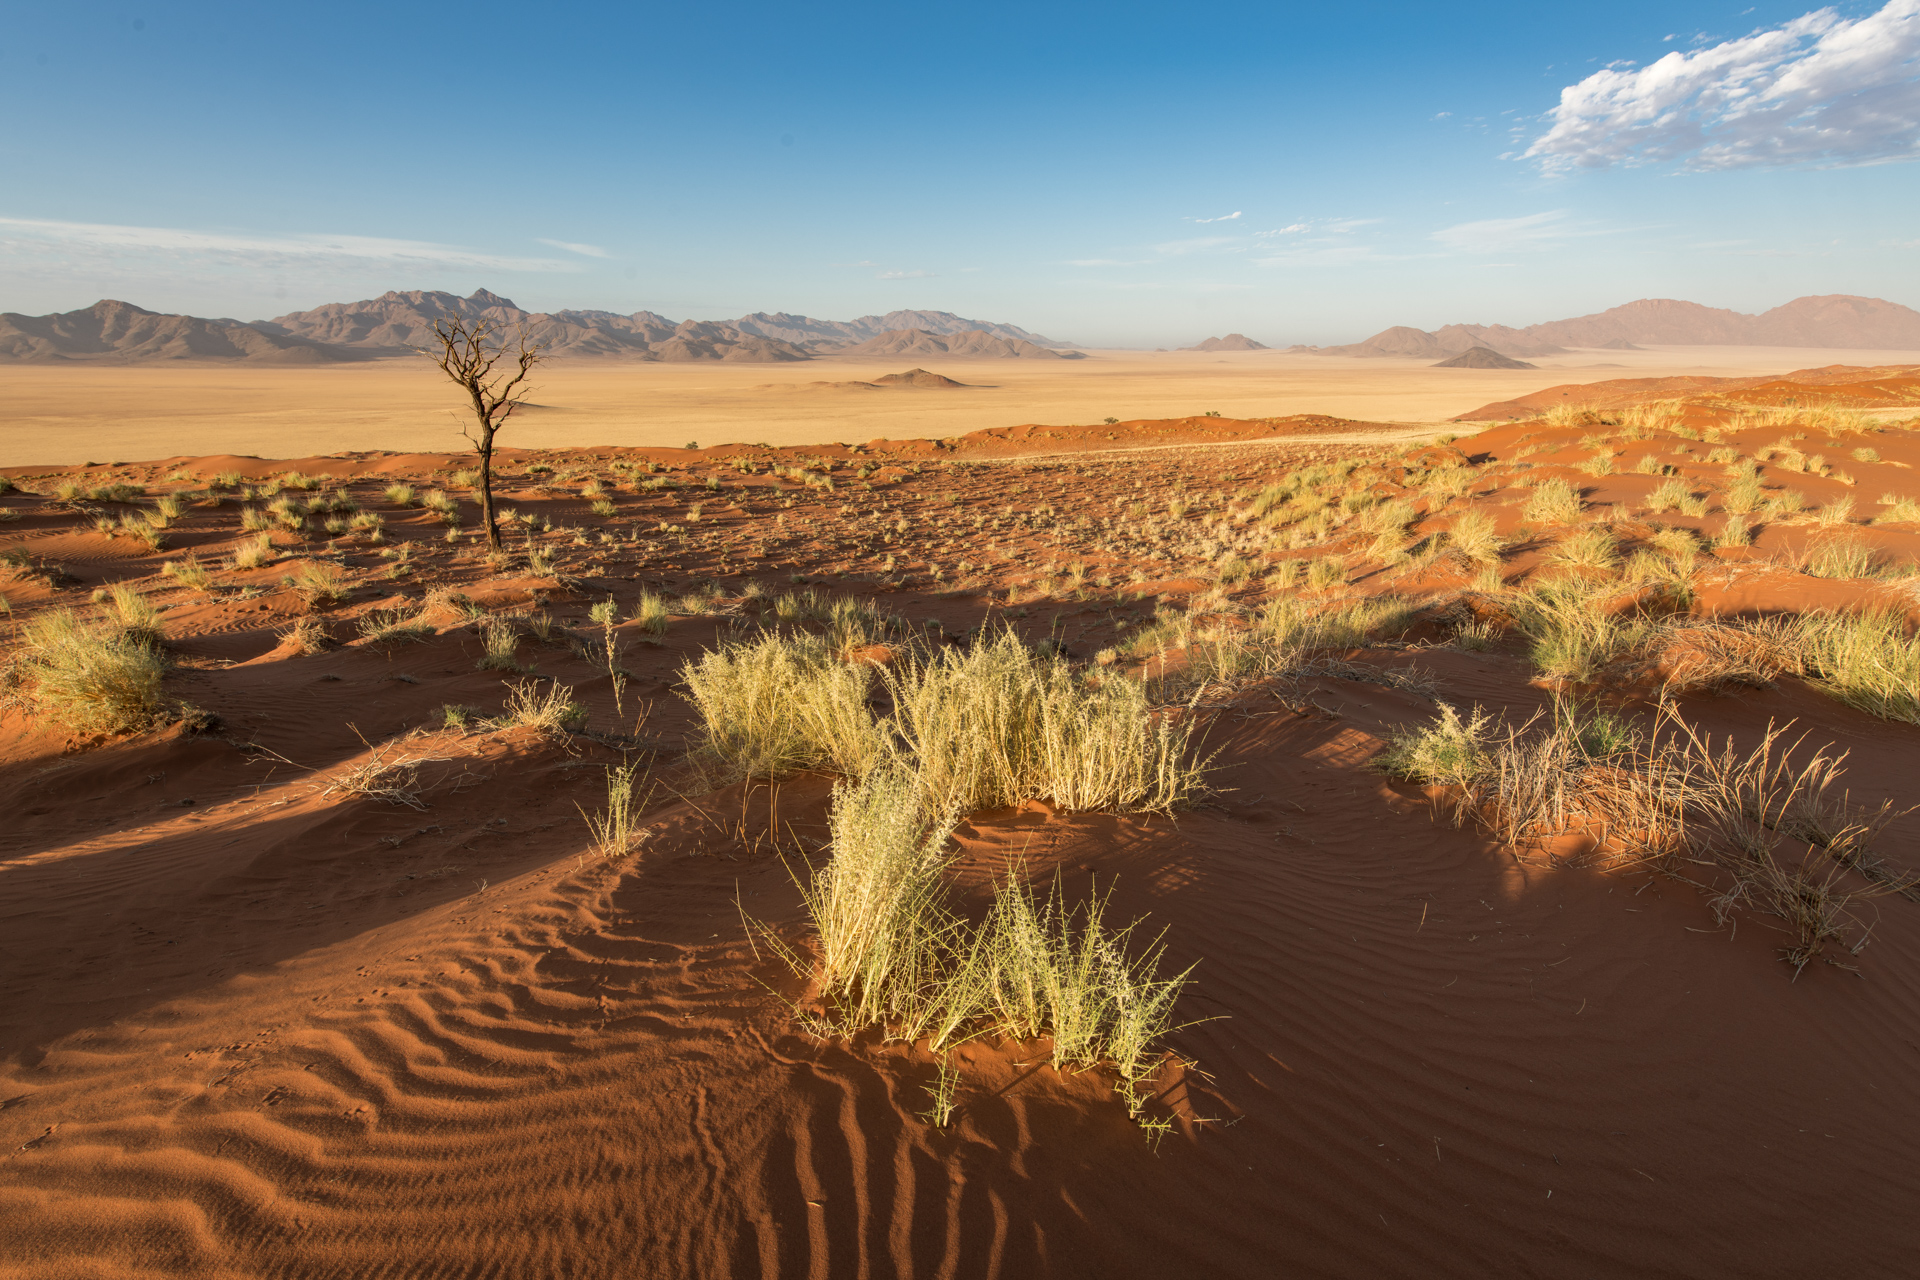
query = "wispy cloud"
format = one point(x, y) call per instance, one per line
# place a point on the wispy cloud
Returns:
point(904, 275)
point(584, 250)
point(1298, 228)
point(1501, 235)
point(264, 251)
point(1820, 89)
point(1225, 217)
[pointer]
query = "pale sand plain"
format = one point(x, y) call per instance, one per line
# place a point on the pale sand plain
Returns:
point(71, 414)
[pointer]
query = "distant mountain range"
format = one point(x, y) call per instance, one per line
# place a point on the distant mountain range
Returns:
point(1832, 320)
point(395, 323)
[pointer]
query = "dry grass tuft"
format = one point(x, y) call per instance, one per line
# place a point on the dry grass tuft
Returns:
point(95, 677)
point(615, 829)
point(552, 713)
point(390, 781)
point(307, 636)
point(781, 703)
point(1770, 825)
point(999, 723)
point(318, 583)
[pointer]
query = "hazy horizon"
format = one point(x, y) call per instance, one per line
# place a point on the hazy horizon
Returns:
point(1110, 177)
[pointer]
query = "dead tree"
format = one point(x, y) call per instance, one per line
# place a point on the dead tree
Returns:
point(467, 353)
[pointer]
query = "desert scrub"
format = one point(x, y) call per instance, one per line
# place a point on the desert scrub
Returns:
point(615, 828)
point(890, 952)
point(1554, 502)
point(1867, 660)
point(1473, 537)
point(132, 613)
point(500, 646)
point(781, 703)
point(1675, 494)
point(307, 636)
point(550, 713)
point(401, 495)
point(878, 905)
point(1449, 752)
point(1768, 825)
point(651, 612)
point(93, 676)
point(999, 723)
point(1571, 632)
point(388, 627)
point(254, 553)
point(1843, 557)
point(318, 583)
point(1587, 548)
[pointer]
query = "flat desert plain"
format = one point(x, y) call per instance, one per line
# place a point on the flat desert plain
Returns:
point(74, 414)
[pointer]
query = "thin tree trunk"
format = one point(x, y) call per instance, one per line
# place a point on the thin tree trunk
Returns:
point(487, 520)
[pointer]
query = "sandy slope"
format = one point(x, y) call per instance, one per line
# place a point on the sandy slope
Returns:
point(250, 1028)
point(59, 415)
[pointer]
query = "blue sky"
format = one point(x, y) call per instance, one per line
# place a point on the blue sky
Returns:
point(1109, 174)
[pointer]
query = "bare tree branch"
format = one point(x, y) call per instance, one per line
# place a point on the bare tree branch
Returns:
point(467, 354)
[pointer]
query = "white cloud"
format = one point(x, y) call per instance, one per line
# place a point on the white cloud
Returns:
point(103, 240)
point(1293, 230)
point(1820, 89)
point(1225, 217)
point(584, 250)
point(1498, 235)
point(904, 275)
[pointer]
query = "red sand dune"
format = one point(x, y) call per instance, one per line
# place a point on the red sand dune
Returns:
point(252, 1027)
point(1844, 386)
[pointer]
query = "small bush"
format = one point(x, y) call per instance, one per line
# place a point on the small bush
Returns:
point(1572, 634)
point(387, 627)
point(318, 583)
point(651, 612)
point(1473, 536)
point(615, 828)
point(190, 573)
point(1868, 660)
point(307, 636)
point(96, 677)
point(500, 644)
point(1675, 494)
point(1449, 752)
point(782, 703)
point(1843, 558)
point(999, 723)
point(133, 614)
point(553, 712)
point(1589, 548)
point(254, 554)
point(1554, 502)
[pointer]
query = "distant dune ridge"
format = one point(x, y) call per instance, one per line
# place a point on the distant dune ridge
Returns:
point(1483, 358)
point(1832, 320)
point(1232, 342)
point(395, 322)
